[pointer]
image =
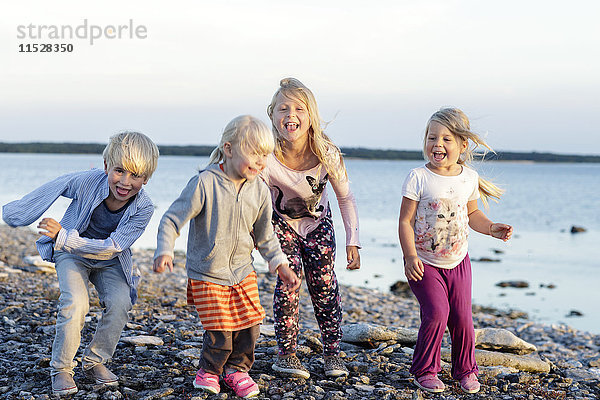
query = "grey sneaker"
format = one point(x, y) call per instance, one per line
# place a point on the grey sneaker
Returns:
point(102, 375)
point(334, 367)
point(292, 366)
point(63, 384)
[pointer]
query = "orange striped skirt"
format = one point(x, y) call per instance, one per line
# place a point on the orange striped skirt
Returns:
point(226, 308)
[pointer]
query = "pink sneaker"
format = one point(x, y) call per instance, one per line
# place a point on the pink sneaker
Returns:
point(470, 384)
point(430, 383)
point(242, 384)
point(207, 382)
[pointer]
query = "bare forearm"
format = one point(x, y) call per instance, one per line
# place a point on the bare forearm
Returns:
point(406, 234)
point(479, 222)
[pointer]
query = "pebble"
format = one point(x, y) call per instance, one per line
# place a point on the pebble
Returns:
point(154, 371)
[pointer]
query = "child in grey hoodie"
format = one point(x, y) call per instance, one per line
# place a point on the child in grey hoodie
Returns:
point(230, 213)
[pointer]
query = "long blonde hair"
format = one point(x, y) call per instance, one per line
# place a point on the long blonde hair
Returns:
point(326, 151)
point(458, 124)
point(248, 133)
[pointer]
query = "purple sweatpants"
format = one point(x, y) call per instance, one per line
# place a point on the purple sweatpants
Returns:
point(445, 299)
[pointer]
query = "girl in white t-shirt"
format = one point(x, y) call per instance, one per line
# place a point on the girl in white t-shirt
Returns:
point(439, 204)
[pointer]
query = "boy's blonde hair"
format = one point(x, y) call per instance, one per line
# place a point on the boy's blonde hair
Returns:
point(326, 151)
point(458, 124)
point(134, 151)
point(250, 134)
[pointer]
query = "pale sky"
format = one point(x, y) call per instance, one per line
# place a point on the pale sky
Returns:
point(527, 73)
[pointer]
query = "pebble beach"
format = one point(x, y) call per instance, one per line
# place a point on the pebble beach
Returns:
point(159, 351)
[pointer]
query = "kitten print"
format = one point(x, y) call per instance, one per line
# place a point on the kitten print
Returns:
point(299, 207)
point(440, 231)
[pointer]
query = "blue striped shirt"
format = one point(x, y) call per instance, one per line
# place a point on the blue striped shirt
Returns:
point(87, 189)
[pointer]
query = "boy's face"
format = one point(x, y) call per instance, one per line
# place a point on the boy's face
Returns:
point(122, 184)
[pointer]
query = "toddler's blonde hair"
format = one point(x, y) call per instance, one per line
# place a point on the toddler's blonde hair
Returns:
point(134, 151)
point(320, 144)
point(458, 124)
point(250, 134)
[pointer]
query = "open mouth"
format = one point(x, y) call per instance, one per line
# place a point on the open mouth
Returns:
point(291, 126)
point(122, 192)
point(438, 156)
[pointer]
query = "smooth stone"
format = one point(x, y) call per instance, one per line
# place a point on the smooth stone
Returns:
point(267, 330)
point(193, 353)
point(527, 363)
point(581, 374)
point(143, 340)
point(577, 229)
point(594, 362)
point(166, 317)
point(496, 370)
point(11, 271)
point(513, 284)
point(37, 261)
point(369, 333)
point(502, 340)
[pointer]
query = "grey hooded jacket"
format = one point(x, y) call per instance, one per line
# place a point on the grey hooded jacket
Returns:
point(220, 243)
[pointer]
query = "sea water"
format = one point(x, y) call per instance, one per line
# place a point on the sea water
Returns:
point(542, 202)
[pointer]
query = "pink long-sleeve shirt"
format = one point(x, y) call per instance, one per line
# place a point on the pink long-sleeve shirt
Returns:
point(300, 197)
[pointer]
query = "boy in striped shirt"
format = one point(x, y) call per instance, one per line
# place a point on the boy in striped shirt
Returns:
point(109, 211)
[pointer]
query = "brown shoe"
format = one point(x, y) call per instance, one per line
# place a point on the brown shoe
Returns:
point(63, 384)
point(102, 375)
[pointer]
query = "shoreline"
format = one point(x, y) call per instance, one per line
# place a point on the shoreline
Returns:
point(358, 153)
point(149, 371)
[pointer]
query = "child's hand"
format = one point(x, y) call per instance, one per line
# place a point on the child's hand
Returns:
point(290, 280)
point(49, 227)
point(353, 257)
point(413, 268)
point(501, 231)
point(161, 262)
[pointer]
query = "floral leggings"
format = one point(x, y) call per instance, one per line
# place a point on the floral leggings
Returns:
point(316, 253)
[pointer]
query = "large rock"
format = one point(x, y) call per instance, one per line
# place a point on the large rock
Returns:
point(367, 334)
point(501, 340)
point(528, 363)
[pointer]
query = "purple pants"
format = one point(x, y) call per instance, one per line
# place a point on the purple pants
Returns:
point(445, 299)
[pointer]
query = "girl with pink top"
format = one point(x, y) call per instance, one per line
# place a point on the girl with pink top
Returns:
point(304, 161)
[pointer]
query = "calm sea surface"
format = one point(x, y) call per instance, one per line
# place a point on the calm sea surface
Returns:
point(542, 202)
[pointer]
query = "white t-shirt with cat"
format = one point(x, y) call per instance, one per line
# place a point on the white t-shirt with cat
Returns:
point(442, 222)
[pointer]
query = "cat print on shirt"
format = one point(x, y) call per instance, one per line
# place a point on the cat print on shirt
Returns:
point(440, 228)
point(299, 207)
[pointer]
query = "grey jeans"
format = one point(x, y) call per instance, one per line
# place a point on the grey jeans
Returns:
point(74, 273)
